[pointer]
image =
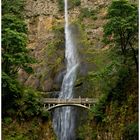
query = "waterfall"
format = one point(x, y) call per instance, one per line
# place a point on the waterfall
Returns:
point(63, 118)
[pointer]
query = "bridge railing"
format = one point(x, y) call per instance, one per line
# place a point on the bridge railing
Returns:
point(69, 101)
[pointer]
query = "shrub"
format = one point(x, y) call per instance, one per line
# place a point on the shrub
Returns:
point(7, 120)
point(87, 13)
point(61, 5)
point(45, 115)
point(76, 2)
point(29, 105)
point(131, 132)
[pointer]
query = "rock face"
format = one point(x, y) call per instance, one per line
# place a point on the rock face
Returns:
point(46, 39)
point(41, 7)
point(41, 19)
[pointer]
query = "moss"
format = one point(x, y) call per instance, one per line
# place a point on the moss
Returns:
point(55, 55)
point(59, 32)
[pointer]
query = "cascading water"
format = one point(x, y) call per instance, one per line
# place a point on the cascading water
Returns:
point(63, 118)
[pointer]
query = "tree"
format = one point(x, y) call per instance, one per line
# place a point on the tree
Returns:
point(14, 40)
point(13, 7)
point(15, 55)
point(122, 26)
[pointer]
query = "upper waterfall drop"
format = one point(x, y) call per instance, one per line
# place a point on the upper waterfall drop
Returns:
point(72, 60)
point(66, 14)
point(64, 118)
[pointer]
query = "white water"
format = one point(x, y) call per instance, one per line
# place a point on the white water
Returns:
point(63, 119)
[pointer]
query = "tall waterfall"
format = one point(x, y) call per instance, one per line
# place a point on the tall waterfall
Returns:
point(63, 119)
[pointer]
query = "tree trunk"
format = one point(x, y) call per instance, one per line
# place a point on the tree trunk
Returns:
point(134, 56)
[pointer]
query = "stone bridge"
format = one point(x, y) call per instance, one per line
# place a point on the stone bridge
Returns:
point(52, 103)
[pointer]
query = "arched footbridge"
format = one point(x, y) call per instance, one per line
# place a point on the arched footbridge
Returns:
point(52, 103)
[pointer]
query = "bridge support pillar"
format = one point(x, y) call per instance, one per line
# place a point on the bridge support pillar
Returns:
point(44, 105)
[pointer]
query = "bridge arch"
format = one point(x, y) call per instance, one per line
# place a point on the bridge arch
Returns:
point(61, 105)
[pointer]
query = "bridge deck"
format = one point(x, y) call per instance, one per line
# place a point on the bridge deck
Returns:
point(69, 101)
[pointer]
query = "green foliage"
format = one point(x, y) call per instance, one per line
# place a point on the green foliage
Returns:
point(14, 39)
point(131, 132)
point(59, 33)
point(87, 13)
point(10, 83)
point(29, 105)
point(14, 23)
point(58, 30)
point(11, 90)
point(61, 5)
point(76, 2)
point(122, 18)
point(7, 120)
point(55, 50)
point(15, 55)
point(99, 109)
point(16, 137)
point(112, 90)
point(109, 80)
point(22, 131)
point(113, 109)
point(106, 74)
point(45, 115)
point(23, 103)
point(122, 28)
point(14, 7)
point(52, 47)
point(122, 25)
